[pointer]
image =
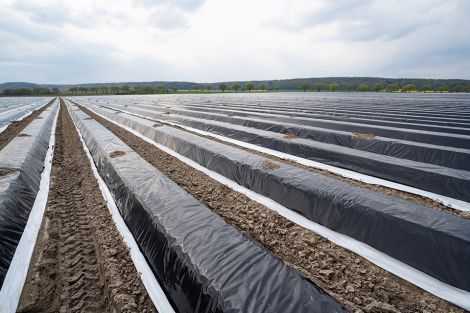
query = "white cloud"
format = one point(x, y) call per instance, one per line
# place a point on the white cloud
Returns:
point(213, 40)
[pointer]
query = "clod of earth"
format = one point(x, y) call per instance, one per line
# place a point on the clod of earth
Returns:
point(364, 135)
point(24, 135)
point(116, 154)
point(289, 137)
point(7, 171)
point(270, 166)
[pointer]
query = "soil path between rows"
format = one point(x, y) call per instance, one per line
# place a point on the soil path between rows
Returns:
point(357, 283)
point(15, 128)
point(80, 262)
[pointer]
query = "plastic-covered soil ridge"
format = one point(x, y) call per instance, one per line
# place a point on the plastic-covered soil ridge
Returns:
point(362, 286)
point(385, 190)
point(430, 177)
point(80, 263)
point(16, 127)
point(391, 222)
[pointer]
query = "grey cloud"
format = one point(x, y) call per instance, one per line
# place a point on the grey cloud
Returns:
point(367, 20)
point(24, 28)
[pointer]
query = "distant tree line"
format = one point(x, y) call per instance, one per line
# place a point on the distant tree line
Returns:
point(30, 91)
point(122, 90)
point(380, 87)
point(358, 84)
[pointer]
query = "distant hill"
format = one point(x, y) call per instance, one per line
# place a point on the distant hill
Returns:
point(16, 85)
point(344, 83)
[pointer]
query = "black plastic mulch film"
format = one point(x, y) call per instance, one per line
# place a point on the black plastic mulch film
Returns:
point(452, 140)
point(439, 155)
point(348, 116)
point(23, 161)
point(434, 178)
point(429, 240)
point(202, 263)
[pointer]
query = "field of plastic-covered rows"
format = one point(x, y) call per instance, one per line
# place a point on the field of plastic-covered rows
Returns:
point(382, 176)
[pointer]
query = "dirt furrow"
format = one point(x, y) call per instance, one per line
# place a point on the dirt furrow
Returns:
point(80, 263)
point(359, 284)
point(15, 128)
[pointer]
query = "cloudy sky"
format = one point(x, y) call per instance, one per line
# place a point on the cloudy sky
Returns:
point(60, 41)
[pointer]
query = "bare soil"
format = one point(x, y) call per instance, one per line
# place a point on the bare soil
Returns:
point(357, 283)
point(15, 128)
point(116, 154)
point(80, 263)
point(7, 171)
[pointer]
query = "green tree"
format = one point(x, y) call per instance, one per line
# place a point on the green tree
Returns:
point(443, 88)
point(55, 91)
point(250, 86)
point(223, 87)
point(208, 87)
point(319, 86)
point(125, 89)
point(426, 88)
point(333, 87)
point(392, 88)
point(174, 90)
point(158, 89)
point(377, 87)
point(458, 89)
point(236, 87)
point(304, 86)
point(263, 87)
point(408, 88)
point(362, 87)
